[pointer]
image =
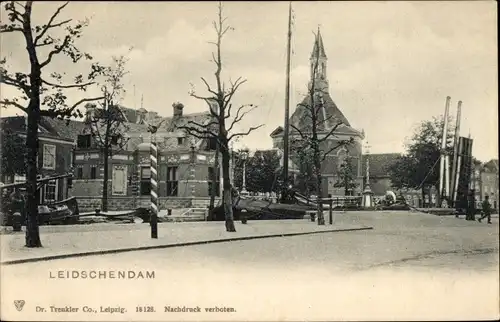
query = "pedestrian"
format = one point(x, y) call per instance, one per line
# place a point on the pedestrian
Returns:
point(486, 209)
point(17, 201)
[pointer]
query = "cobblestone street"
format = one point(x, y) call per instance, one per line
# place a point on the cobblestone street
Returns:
point(407, 264)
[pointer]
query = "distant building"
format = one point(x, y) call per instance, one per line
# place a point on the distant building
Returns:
point(55, 153)
point(329, 115)
point(485, 182)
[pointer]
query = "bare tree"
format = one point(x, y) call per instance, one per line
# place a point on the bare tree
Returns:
point(34, 85)
point(107, 123)
point(311, 137)
point(223, 121)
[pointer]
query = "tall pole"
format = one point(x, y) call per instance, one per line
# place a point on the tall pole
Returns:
point(455, 166)
point(287, 101)
point(443, 191)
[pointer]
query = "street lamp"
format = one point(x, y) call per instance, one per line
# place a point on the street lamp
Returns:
point(367, 200)
point(244, 157)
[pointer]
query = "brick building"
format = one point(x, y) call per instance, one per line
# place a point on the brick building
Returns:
point(328, 116)
point(55, 153)
point(186, 163)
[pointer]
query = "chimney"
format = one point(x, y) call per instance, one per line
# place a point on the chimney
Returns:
point(178, 109)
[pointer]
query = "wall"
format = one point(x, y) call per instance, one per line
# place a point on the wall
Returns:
point(128, 203)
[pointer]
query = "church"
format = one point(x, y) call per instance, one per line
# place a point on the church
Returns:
point(327, 116)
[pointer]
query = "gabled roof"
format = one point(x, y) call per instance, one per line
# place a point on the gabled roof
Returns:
point(379, 163)
point(48, 127)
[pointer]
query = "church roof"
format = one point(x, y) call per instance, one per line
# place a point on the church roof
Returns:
point(329, 112)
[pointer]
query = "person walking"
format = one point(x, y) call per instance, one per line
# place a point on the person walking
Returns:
point(486, 209)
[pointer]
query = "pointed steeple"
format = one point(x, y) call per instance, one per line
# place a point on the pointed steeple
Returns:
point(318, 48)
point(318, 62)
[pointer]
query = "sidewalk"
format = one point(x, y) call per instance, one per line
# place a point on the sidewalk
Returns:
point(84, 240)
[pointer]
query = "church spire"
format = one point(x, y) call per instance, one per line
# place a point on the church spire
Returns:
point(318, 62)
point(318, 48)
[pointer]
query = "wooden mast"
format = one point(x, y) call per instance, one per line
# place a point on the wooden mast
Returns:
point(286, 129)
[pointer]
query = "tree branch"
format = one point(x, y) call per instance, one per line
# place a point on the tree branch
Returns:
point(331, 132)
point(208, 87)
point(10, 28)
point(302, 135)
point(239, 117)
point(67, 86)
point(338, 145)
point(194, 131)
point(56, 51)
point(7, 102)
point(50, 25)
point(253, 128)
point(234, 87)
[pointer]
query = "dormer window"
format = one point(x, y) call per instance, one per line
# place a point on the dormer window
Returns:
point(180, 141)
point(83, 141)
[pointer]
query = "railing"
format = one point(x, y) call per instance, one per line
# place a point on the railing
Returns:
point(334, 201)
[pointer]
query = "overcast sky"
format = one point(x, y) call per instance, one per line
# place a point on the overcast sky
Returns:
point(390, 64)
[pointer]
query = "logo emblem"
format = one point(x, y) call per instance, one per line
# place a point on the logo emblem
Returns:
point(19, 304)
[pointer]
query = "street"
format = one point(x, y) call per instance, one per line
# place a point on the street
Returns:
point(410, 266)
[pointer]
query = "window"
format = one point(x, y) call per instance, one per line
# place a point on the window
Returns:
point(19, 179)
point(51, 191)
point(79, 173)
point(49, 156)
point(180, 141)
point(172, 181)
point(211, 144)
point(83, 141)
point(211, 181)
point(93, 172)
point(145, 181)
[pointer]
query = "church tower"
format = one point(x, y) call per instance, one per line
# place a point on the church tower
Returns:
point(318, 65)
point(329, 118)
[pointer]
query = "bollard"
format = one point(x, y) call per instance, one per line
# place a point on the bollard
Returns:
point(244, 216)
point(16, 221)
point(331, 212)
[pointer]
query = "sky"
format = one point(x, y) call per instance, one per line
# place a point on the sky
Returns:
point(390, 64)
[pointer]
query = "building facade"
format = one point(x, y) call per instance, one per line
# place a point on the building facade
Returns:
point(186, 163)
point(329, 115)
point(55, 155)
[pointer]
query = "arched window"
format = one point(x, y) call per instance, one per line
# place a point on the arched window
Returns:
point(323, 70)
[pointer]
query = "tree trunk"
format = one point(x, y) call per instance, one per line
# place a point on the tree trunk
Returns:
point(438, 196)
point(214, 179)
point(423, 196)
point(105, 179)
point(106, 150)
point(31, 208)
point(317, 172)
point(227, 198)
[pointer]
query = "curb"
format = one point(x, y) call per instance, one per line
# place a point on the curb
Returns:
point(132, 249)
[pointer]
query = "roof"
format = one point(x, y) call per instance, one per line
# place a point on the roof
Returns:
point(379, 163)
point(491, 166)
point(67, 129)
point(49, 127)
